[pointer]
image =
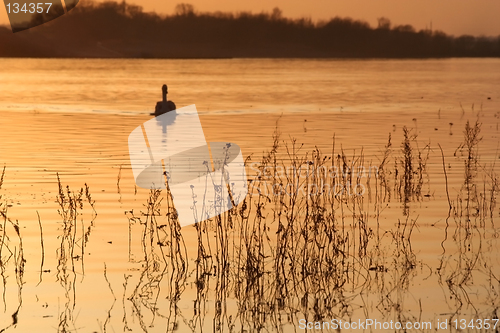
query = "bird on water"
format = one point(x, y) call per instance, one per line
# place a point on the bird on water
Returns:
point(164, 105)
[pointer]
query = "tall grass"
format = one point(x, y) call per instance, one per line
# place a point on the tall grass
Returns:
point(75, 234)
point(303, 242)
point(466, 257)
point(163, 259)
point(307, 242)
point(11, 258)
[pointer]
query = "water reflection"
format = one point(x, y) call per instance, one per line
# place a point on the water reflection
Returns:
point(281, 257)
point(165, 122)
point(11, 259)
point(204, 179)
point(164, 267)
point(466, 268)
point(288, 256)
point(75, 234)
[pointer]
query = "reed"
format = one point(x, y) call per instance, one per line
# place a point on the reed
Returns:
point(163, 258)
point(299, 248)
point(11, 259)
point(75, 235)
point(410, 169)
point(465, 258)
point(307, 242)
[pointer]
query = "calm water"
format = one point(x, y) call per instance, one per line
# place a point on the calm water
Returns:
point(73, 117)
point(242, 85)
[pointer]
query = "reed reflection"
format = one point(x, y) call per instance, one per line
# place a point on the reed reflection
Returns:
point(71, 252)
point(467, 268)
point(11, 260)
point(293, 249)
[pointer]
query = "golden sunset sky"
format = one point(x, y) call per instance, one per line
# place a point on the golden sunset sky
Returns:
point(456, 17)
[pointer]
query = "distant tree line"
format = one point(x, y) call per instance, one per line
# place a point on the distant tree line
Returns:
point(118, 29)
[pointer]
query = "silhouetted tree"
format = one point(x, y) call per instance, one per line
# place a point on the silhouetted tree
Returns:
point(120, 29)
point(184, 9)
point(384, 23)
point(277, 14)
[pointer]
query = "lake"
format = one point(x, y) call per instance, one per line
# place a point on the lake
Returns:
point(414, 242)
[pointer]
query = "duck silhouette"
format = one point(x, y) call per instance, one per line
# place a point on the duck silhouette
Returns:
point(163, 106)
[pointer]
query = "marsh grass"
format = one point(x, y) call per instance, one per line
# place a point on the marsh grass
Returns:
point(307, 244)
point(466, 256)
point(306, 252)
point(75, 234)
point(163, 259)
point(11, 259)
point(410, 169)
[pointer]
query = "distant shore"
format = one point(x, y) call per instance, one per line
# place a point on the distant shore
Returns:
point(121, 30)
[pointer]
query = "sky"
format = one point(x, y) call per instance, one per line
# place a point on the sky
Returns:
point(455, 17)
